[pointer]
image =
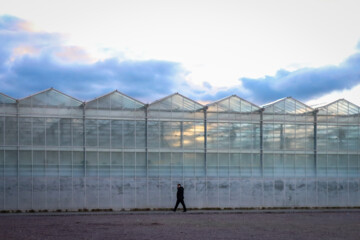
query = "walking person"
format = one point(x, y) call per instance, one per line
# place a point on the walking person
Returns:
point(180, 198)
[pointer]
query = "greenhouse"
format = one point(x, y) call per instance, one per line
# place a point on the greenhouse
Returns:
point(115, 152)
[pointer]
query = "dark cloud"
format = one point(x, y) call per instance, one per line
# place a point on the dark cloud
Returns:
point(29, 62)
point(32, 61)
point(305, 84)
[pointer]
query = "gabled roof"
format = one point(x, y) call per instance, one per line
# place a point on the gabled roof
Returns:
point(175, 102)
point(50, 97)
point(232, 103)
point(6, 99)
point(340, 107)
point(287, 105)
point(114, 100)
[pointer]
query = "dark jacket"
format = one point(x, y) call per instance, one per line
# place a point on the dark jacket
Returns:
point(180, 193)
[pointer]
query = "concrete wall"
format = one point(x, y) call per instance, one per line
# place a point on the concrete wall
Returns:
point(67, 193)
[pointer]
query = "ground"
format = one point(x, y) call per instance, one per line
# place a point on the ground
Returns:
point(337, 224)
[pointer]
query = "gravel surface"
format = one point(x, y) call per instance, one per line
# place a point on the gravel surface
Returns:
point(168, 225)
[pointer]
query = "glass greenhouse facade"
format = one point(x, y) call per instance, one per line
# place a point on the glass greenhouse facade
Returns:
point(115, 152)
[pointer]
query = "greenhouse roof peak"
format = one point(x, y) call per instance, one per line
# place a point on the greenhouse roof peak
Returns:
point(175, 102)
point(6, 99)
point(288, 105)
point(50, 97)
point(232, 103)
point(340, 107)
point(115, 100)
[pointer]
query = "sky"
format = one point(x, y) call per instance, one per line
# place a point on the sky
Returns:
point(260, 50)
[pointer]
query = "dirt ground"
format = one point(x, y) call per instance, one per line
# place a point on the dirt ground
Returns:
point(191, 225)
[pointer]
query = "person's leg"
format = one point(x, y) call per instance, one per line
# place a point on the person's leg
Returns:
point(183, 204)
point(176, 205)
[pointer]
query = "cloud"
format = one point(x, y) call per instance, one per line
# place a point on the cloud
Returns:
point(306, 83)
point(207, 85)
point(32, 61)
point(303, 84)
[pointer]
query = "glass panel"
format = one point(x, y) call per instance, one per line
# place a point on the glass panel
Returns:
point(200, 170)
point(268, 136)
point(287, 105)
point(25, 131)
point(268, 165)
point(52, 132)
point(234, 165)
point(212, 135)
point(165, 164)
point(153, 164)
point(175, 103)
point(91, 163)
point(342, 165)
point(249, 136)
point(353, 109)
point(212, 164)
point(2, 130)
point(245, 164)
point(223, 135)
point(129, 134)
point(189, 164)
point(116, 134)
point(170, 134)
point(224, 164)
point(91, 132)
point(53, 98)
point(279, 168)
point(65, 132)
point(103, 102)
point(129, 164)
point(236, 104)
point(289, 137)
point(104, 164)
point(78, 164)
point(353, 165)
point(11, 163)
point(123, 102)
point(290, 106)
point(332, 138)
point(65, 157)
point(236, 135)
point(177, 164)
point(332, 166)
point(11, 131)
point(52, 163)
point(153, 136)
point(224, 105)
point(232, 104)
point(310, 165)
point(141, 164)
point(140, 134)
point(2, 163)
point(321, 165)
point(65, 163)
point(77, 132)
point(6, 99)
point(38, 131)
point(289, 165)
point(300, 165)
point(25, 163)
point(256, 165)
point(116, 164)
point(104, 133)
point(39, 163)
